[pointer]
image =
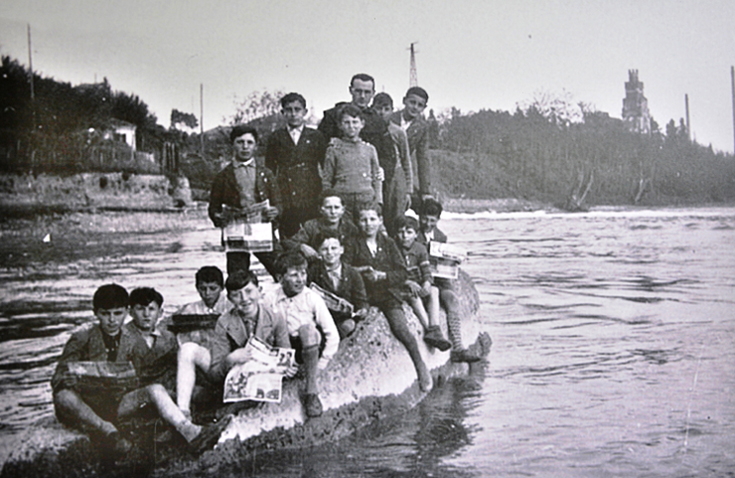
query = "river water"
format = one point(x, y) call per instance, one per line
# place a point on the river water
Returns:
point(613, 348)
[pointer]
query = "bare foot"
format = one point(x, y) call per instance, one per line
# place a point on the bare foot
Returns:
point(425, 380)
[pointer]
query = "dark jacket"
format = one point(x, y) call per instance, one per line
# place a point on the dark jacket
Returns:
point(351, 286)
point(375, 132)
point(387, 259)
point(418, 146)
point(152, 365)
point(296, 166)
point(439, 236)
point(313, 228)
point(225, 192)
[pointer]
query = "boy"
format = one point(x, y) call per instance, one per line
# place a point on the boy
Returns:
point(294, 154)
point(340, 279)
point(109, 341)
point(398, 191)
point(231, 334)
point(241, 184)
point(306, 316)
point(418, 289)
point(209, 284)
point(429, 214)
point(411, 120)
point(351, 165)
point(377, 258)
point(331, 220)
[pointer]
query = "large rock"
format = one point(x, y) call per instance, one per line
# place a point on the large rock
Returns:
point(371, 377)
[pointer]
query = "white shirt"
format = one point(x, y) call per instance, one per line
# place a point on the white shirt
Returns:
point(404, 123)
point(306, 307)
point(200, 308)
point(295, 133)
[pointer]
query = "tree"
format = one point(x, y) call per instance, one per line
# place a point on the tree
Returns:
point(257, 104)
point(187, 119)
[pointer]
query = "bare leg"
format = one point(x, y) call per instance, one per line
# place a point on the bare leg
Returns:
point(398, 326)
point(70, 405)
point(433, 305)
point(418, 308)
point(191, 355)
point(156, 395)
point(310, 338)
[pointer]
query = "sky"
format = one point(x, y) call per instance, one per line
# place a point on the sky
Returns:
point(471, 54)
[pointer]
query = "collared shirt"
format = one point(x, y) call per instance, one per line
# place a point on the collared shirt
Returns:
point(149, 337)
point(112, 344)
point(335, 275)
point(429, 236)
point(295, 133)
point(306, 308)
point(200, 308)
point(245, 178)
point(405, 124)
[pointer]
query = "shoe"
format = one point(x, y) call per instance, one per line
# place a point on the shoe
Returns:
point(434, 338)
point(209, 435)
point(464, 355)
point(312, 405)
point(115, 446)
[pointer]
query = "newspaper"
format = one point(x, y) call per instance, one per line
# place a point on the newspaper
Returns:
point(335, 303)
point(247, 231)
point(445, 259)
point(261, 377)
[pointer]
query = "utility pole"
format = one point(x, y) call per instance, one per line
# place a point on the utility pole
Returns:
point(201, 119)
point(30, 67)
point(686, 106)
point(413, 77)
point(732, 79)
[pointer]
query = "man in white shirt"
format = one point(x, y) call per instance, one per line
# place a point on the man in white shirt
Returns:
point(310, 325)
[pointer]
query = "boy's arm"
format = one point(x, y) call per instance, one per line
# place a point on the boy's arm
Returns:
point(73, 352)
point(271, 153)
point(358, 293)
point(405, 157)
point(220, 350)
point(423, 161)
point(375, 171)
point(425, 267)
point(397, 273)
point(331, 335)
point(327, 172)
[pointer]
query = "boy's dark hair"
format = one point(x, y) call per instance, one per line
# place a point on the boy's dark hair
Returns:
point(350, 110)
point(242, 129)
point(324, 235)
point(209, 274)
point(288, 260)
point(371, 206)
point(291, 97)
point(362, 77)
point(144, 296)
point(110, 296)
point(239, 279)
point(406, 221)
point(330, 193)
point(381, 99)
point(418, 91)
point(431, 207)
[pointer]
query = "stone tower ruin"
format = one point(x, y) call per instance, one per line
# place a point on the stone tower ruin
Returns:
point(635, 105)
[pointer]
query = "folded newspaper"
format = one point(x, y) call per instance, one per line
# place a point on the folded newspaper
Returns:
point(445, 259)
point(335, 303)
point(261, 377)
point(247, 230)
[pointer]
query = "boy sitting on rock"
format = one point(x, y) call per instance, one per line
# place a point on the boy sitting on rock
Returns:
point(342, 280)
point(209, 283)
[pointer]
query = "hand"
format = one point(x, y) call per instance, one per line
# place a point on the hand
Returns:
point(413, 287)
point(426, 289)
point(381, 174)
point(309, 251)
point(291, 371)
point(375, 276)
point(425, 196)
point(322, 364)
point(408, 202)
point(271, 213)
point(239, 356)
point(364, 269)
point(361, 314)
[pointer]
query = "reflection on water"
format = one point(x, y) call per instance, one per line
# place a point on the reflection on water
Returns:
point(612, 354)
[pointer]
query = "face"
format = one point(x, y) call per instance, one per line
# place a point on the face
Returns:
point(209, 292)
point(406, 236)
point(146, 316)
point(428, 223)
point(111, 319)
point(331, 251)
point(294, 113)
point(384, 111)
point(246, 299)
point(245, 147)
point(370, 222)
point(414, 105)
point(351, 126)
point(362, 92)
point(294, 280)
point(332, 209)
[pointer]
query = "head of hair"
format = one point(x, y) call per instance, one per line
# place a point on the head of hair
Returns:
point(210, 274)
point(382, 99)
point(242, 129)
point(406, 221)
point(324, 235)
point(350, 110)
point(371, 206)
point(292, 97)
point(362, 77)
point(418, 91)
point(288, 260)
point(431, 207)
point(110, 296)
point(144, 296)
point(239, 279)
point(330, 193)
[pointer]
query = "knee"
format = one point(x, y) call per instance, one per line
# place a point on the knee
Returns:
point(449, 299)
point(309, 335)
point(65, 400)
point(187, 352)
point(155, 391)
